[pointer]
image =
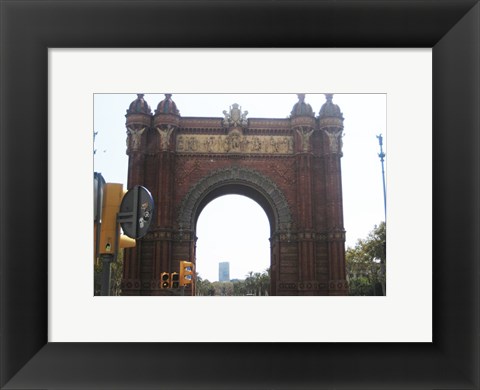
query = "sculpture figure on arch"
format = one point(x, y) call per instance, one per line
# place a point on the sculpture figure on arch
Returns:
point(305, 134)
point(135, 137)
point(335, 140)
point(165, 133)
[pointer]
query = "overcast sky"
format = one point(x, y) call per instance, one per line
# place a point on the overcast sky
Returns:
point(225, 230)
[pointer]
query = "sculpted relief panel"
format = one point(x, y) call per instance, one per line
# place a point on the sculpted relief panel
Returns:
point(235, 143)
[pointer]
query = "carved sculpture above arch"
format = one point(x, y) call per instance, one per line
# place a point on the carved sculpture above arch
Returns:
point(236, 180)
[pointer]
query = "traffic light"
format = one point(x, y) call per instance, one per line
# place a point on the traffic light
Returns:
point(165, 280)
point(175, 280)
point(109, 229)
point(126, 242)
point(186, 272)
point(98, 185)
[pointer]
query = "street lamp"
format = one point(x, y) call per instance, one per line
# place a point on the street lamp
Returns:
point(382, 159)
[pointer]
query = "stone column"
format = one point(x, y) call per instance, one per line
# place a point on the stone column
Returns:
point(138, 123)
point(164, 234)
point(331, 125)
point(304, 127)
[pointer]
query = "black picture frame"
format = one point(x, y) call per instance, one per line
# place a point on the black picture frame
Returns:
point(28, 28)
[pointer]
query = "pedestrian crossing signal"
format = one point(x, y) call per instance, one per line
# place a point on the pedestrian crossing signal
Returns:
point(186, 272)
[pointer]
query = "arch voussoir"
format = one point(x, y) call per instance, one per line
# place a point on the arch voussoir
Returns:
point(237, 176)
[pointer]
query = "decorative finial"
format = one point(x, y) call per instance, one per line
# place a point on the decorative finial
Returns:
point(167, 106)
point(139, 106)
point(330, 109)
point(301, 108)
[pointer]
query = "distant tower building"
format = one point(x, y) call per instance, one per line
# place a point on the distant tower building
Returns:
point(224, 272)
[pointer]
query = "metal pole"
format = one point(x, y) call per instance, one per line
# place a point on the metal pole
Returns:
point(382, 157)
point(106, 267)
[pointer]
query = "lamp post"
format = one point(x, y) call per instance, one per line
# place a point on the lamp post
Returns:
point(382, 159)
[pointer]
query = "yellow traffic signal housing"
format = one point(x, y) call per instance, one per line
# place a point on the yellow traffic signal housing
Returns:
point(175, 280)
point(165, 280)
point(112, 197)
point(186, 272)
point(109, 229)
point(126, 242)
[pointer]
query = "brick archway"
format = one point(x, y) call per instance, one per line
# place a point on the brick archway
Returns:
point(239, 181)
point(291, 167)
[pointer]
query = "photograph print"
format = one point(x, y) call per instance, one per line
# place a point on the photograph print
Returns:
point(240, 194)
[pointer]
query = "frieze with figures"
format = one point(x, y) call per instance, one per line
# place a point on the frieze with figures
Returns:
point(235, 143)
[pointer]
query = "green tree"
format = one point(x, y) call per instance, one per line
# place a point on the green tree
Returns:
point(239, 288)
point(250, 283)
point(203, 287)
point(257, 283)
point(116, 274)
point(254, 284)
point(223, 288)
point(257, 276)
point(265, 282)
point(366, 264)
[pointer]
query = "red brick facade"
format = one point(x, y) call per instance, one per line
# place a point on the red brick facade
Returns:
point(291, 167)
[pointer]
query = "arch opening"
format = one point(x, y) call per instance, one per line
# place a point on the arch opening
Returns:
point(239, 181)
point(233, 229)
point(236, 189)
